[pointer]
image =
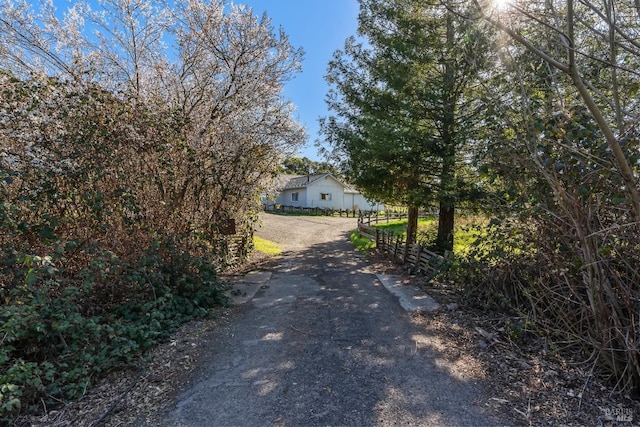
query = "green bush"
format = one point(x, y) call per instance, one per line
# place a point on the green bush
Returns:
point(112, 224)
point(494, 266)
point(59, 331)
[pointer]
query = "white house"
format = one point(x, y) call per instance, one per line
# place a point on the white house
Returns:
point(320, 191)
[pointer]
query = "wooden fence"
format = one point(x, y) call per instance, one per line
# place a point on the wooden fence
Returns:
point(375, 217)
point(384, 216)
point(422, 260)
point(232, 251)
point(347, 213)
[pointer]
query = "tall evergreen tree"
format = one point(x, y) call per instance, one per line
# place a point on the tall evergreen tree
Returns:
point(402, 105)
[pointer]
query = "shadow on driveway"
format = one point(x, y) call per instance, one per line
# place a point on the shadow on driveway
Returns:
point(323, 343)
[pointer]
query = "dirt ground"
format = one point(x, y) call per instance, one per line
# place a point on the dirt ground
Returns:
point(524, 382)
point(301, 232)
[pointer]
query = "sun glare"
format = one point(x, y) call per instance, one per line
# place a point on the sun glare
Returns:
point(501, 4)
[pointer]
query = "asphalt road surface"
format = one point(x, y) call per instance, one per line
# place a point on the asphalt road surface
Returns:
point(323, 343)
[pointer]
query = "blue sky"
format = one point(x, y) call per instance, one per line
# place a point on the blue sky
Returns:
point(319, 27)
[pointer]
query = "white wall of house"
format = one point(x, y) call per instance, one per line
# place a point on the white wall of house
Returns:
point(358, 201)
point(286, 197)
point(325, 193)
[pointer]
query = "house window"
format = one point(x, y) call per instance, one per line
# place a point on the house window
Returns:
point(325, 196)
point(294, 197)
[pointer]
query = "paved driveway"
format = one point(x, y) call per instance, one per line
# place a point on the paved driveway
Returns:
point(324, 343)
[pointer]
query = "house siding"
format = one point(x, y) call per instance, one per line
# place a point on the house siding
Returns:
point(310, 189)
point(285, 197)
point(326, 185)
point(358, 201)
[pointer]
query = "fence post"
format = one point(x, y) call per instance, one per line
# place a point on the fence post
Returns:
point(377, 238)
point(385, 237)
point(418, 258)
point(405, 255)
point(395, 250)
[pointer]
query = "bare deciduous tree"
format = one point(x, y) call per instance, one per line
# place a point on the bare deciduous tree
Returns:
point(582, 149)
point(577, 28)
point(215, 72)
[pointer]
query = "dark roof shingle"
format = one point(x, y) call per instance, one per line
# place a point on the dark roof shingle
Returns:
point(303, 181)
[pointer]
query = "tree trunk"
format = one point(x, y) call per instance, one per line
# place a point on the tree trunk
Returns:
point(444, 241)
point(412, 225)
point(446, 216)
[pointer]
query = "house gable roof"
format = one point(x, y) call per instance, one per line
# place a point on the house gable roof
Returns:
point(307, 180)
point(280, 181)
point(303, 181)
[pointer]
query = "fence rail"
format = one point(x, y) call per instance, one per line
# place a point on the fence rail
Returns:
point(375, 217)
point(422, 260)
point(348, 213)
